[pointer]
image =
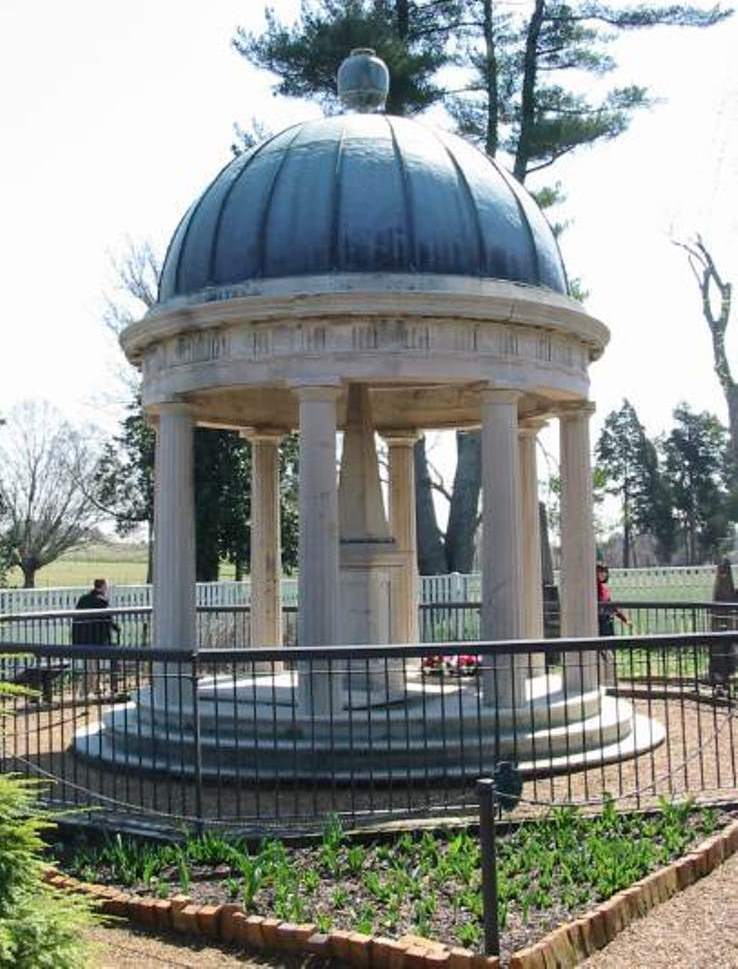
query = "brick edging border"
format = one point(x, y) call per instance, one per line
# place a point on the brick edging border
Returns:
point(573, 942)
point(230, 924)
point(565, 947)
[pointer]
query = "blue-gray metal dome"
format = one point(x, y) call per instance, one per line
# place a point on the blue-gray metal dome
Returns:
point(360, 193)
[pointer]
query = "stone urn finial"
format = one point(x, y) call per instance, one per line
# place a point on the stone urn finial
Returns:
point(363, 81)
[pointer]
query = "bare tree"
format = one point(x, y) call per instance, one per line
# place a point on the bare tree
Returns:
point(47, 470)
point(716, 294)
point(137, 272)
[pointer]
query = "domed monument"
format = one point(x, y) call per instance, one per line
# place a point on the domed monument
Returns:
point(366, 274)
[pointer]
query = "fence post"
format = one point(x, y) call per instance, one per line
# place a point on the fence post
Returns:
point(199, 824)
point(487, 841)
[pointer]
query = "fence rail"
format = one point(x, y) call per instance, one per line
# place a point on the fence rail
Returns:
point(664, 582)
point(229, 626)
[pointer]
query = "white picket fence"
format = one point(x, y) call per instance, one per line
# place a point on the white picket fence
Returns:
point(677, 584)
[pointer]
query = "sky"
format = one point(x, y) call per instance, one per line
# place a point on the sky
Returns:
point(116, 115)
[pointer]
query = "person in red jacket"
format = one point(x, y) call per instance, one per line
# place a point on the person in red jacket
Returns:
point(606, 610)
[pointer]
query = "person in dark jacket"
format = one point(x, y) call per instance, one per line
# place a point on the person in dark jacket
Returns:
point(87, 631)
point(90, 631)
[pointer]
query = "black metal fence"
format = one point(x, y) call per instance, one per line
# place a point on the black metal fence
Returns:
point(258, 739)
point(459, 621)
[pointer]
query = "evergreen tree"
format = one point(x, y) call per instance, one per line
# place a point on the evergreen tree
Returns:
point(628, 463)
point(125, 475)
point(696, 467)
point(39, 927)
point(411, 37)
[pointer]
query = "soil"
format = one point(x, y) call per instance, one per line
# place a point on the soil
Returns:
point(697, 929)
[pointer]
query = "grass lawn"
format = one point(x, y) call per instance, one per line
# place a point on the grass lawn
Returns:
point(121, 563)
point(428, 884)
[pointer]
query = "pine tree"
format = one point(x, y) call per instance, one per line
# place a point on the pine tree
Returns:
point(696, 467)
point(628, 463)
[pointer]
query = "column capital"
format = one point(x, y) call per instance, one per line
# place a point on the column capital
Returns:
point(323, 391)
point(262, 435)
point(176, 408)
point(530, 426)
point(570, 410)
point(500, 395)
point(401, 437)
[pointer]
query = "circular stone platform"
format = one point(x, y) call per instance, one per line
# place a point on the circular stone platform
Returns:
point(254, 731)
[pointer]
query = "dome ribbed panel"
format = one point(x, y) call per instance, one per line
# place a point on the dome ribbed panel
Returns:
point(298, 225)
point(508, 250)
point(372, 227)
point(445, 239)
point(238, 248)
point(550, 266)
point(168, 279)
point(197, 244)
point(360, 193)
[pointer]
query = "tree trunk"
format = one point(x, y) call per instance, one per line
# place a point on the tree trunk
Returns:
point(402, 8)
point(463, 513)
point(150, 552)
point(547, 567)
point(528, 92)
point(207, 560)
point(551, 604)
point(626, 531)
point(731, 395)
point(431, 554)
point(29, 570)
point(491, 71)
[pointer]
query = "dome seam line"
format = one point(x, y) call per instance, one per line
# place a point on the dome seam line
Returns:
point(508, 180)
point(264, 214)
point(336, 202)
point(186, 235)
point(406, 195)
point(472, 205)
point(256, 150)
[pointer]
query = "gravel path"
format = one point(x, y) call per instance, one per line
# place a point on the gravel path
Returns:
point(698, 929)
point(136, 949)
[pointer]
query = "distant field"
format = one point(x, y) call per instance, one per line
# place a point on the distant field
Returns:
point(124, 563)
point(120, 563)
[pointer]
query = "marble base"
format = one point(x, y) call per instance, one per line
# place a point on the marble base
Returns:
point(433, 730)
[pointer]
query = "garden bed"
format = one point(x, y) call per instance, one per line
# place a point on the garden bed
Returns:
point(549, 871)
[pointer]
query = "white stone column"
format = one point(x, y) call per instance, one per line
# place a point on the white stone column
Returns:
point(502, 581)
point(403, 527)
point(532, 569)
point(266, 572)
point(174, 612)
point(578, 588)
point(318, 581)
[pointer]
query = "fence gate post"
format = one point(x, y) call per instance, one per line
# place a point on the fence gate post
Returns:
point(487, 841)
point(199, 823)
